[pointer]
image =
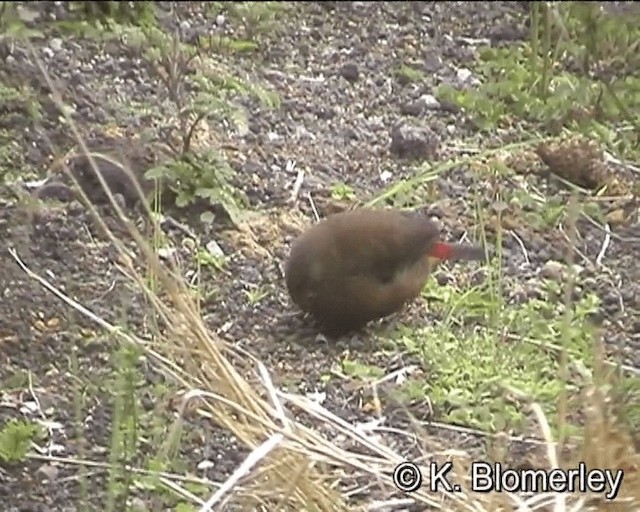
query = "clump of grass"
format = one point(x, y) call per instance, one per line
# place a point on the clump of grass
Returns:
point(573, 73)
point(105, 13)
point(407, 75)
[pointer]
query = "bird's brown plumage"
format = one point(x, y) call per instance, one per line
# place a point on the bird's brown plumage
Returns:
point(359, 266)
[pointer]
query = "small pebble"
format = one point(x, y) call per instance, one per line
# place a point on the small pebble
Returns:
point(55, 44)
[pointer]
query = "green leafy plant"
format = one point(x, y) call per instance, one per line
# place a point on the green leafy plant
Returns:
point(15, 439)
point(361, 370)
point(480, 376)
point(106, 13)
point(202, 175)
point(257, 17)
point(342, 192)
point(203, 91)
point(573, 72)
point(255, 295)
point(206, 259)
point(408, 74)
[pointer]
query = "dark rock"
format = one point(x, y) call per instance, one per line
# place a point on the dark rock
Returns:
point(350, 72)
point(414, 142)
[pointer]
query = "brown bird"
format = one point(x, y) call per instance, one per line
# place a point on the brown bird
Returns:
point(122, 162)
point(115, 175)
point(358, 266)
point(55, 190)
point(60, 187)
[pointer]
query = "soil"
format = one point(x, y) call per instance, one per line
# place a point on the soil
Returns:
point(334, 67)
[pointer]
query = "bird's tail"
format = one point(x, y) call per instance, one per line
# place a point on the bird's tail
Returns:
point(452, 252)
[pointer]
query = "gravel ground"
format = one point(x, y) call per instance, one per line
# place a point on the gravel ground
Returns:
point(334, 67)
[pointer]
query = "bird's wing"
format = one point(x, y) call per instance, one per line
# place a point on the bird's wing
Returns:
point(385, 244)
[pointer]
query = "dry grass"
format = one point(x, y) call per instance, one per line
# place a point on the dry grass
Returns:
point(293, 466)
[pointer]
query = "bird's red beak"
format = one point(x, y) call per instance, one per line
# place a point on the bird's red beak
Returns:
point(443, 251)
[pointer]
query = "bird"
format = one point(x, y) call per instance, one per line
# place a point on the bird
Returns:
point(55, 190)
point(121, 162)
point(362, 265)
point(60, 187)
point(116, 175)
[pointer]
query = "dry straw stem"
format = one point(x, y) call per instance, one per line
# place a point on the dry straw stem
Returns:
point(291, 465)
